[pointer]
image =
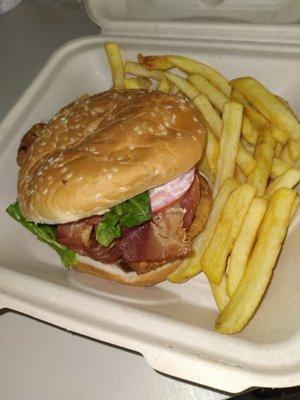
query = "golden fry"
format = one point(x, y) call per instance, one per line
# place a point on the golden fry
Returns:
point(249, 132)
point(136, 69)
point(239, 175)
point(243, 245)
point(288, 179)
point(209, 113)
point(219, 292)
point(154, 62)
point(215, 256)
point(269, 105)
point(144, 83)
point(204, 86)
point(286, 156)
point(279, 167)
point(279, 135)
point(257, 119)
point(259, 177)
point(184, 86)
point(131, 83)
point(164, 86)
point(230, 136)
point(254, 282)
point(113, 53)
point(193, 67)
point(211, 151)
point(294, 150)
point(245, 161)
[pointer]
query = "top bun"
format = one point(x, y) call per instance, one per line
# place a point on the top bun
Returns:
point(102, 150)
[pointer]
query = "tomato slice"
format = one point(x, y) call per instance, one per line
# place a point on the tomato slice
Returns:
point(165, 195)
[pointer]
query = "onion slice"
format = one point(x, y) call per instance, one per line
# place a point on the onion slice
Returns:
point(165, 195)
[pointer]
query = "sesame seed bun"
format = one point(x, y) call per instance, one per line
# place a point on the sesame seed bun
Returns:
point(102, 150)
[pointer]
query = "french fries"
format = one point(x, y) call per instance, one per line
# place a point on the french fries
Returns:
point(232, 123)
point(239, 175)
point(212, 151)
point(191, 266)
point(279, 167)
point(243, 245)
point(286, 156)
point(244, 160)
point(131, 83)
point(288, 179)
point(215, 96)
point(209, 113)
point(279, 135)
point(113, 53)
point(185, 87)
point(193, 67)
point(269, 105)
point(294, 150)
point(188, 66)
point(134, 68)
point(215, 256)
point(164, 86)
point(254, 282)
point(252, 145)
point(259, 176)
point(249, 131)
point(257, 119)
point(154, 62)
point(219, 292)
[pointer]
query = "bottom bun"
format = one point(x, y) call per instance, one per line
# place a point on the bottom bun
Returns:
point(116, 274)
point(113, 272)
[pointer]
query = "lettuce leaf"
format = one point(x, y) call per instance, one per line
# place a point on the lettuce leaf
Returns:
point(45, 233)
point(130, 213)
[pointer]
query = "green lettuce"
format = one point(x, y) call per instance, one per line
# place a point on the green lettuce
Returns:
point(45, 233)
point(130, 213)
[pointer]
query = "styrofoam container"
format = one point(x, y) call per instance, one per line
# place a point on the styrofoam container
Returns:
point(171, 325)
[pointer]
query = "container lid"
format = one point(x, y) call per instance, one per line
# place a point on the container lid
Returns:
point(238, 20)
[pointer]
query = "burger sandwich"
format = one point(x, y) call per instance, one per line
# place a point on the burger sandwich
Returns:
point(111, 184)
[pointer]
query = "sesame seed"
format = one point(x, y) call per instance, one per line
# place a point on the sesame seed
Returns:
point(69, 176)
point(64, 169)
point(109, 176)
point(194, 137)
point(131, 147)
point(156, 172)
point(45, 191)
point(97, 196)
point(123, 189)
point(195, 119)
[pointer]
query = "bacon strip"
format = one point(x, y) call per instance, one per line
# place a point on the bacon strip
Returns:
point(140, 248)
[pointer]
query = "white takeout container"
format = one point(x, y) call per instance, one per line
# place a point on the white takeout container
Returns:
point(172, 326)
